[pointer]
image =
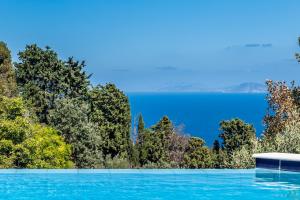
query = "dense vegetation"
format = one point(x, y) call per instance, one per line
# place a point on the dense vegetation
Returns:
point(52, 117)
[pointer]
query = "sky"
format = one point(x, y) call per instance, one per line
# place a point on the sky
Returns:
point(163, 45)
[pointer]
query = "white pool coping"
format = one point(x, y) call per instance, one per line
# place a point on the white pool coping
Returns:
point(278, 156)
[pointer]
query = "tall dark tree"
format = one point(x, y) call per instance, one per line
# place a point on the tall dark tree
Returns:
point(111, 111)
point(216, 146)
point(235, 133)
point(141, 124)
point(164, 126)
point(162, 131)
point(43, 78)
point(76, 80)
point(7, 75)
point(197, 154)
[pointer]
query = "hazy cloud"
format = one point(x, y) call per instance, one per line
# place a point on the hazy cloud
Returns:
point(259, 45)
point(267, 45)
point(251, 45)
point(167, 68)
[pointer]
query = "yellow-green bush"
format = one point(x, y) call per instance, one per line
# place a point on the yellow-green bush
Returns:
point(24, 144)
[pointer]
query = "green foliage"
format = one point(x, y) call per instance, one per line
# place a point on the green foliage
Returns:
point(7, 75)
point(197, 155)
point(162, 131)
point(141, 124)
point(282, 121)
point(235, 133)
point(111, 111)
point(46, 149)
point(145, 147)
point(24, 144)
point(219, 159)
point(238, 145)
point(282, 101)
point(70, 117)
point(116, 163)
point(216, 146)
point(92, 126)
point(164, 127)
point(242, 158)
point(10, 108)
point(43, 78)
point(134, 155)
point(153, 143)
point(288, 141)
point(162, 146)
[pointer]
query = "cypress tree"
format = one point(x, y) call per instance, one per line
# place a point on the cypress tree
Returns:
point(141, 124)
point(216, 146)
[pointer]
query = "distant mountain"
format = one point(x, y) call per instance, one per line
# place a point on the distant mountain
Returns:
point(246, 88)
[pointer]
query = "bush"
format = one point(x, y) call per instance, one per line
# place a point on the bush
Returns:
point(116, 163)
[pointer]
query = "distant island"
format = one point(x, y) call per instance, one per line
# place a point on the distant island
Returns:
point(249, 87)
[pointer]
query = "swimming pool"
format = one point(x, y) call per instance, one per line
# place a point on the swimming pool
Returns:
point(148, 184)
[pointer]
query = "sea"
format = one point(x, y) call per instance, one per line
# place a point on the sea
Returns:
point(199, 114)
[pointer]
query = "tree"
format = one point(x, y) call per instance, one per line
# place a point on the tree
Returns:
point(45, 149)
point(217, 155)
point(235, 133)
point(111, 111)
point(197, 155)
point(10, 108)
point(178, 145)
point(24, 144)
point(242, 158)
point(7, 75)
point(70, 117)
point(287, 141)
point(43, 78)
point(145, 148)
point(162, 146)
point(162, 131)
point(141, 124)
point(281, 103)
point(164, 127)
point(216, 146)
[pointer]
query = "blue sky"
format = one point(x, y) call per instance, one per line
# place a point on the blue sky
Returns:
point(163, 45)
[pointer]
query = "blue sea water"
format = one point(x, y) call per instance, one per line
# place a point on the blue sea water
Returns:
point(200, 113)
point(148, 184)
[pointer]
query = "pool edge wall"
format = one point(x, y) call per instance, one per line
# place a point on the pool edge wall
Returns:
point(278, 164)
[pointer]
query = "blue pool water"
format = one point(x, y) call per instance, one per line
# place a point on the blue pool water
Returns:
point(200, 113)
point(148, 184)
